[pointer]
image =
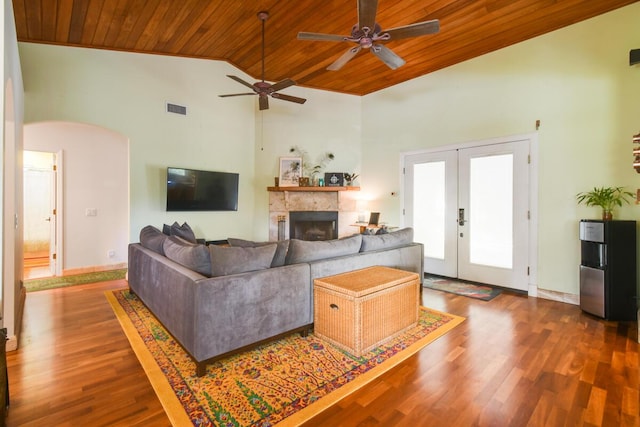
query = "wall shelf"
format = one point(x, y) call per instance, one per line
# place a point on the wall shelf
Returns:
point(314, 189)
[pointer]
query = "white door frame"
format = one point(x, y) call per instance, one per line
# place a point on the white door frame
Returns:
point(533, 192)
point(57, 240)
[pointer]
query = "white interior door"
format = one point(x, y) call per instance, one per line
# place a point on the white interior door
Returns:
point(469, 207)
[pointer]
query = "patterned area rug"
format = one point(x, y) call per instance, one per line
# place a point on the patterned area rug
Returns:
point(460, 287)
point(285, 382)
point(78, 279)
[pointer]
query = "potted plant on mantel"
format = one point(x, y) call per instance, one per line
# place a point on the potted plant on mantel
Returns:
point(311, 170)
point(606, 197)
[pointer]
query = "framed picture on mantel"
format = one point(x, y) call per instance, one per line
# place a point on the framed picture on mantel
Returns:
point(290, 171)
point(334, 179)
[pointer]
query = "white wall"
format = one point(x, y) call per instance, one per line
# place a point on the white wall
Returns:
point(577, 81)
point(11, 179)
point(95, 175)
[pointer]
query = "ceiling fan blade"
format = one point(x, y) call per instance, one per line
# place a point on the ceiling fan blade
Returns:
point(262, 88)
point(236, 94)
point(367, 13)
point(239, 80)
point(288, 98)
point(263, 101)
point(282, 84)
point(387, 56)
point(346, 57)
point(321, 37)
point(413, 30)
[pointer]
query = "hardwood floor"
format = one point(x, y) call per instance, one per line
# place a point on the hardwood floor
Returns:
point(515, 361)
point(74, 365)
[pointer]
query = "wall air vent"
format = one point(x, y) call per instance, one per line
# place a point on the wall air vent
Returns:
point(177, 109)
point(634, 56)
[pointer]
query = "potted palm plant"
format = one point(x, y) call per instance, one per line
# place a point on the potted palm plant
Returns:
point(605, 197)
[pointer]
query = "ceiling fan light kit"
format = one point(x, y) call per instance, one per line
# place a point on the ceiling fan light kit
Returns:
point(368, 34)
point(263, 89)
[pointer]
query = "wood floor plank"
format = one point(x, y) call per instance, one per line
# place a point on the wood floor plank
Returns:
point(515, 361)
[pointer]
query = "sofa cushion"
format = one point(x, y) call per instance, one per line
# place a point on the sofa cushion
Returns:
point(193, 256)
point(234, 260)
point(184, 231)
point(152, 238)
point(385, 241)
point(281, 249)
point(306, 251)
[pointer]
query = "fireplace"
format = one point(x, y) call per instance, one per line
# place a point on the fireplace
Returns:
point(313, 225)
point(339, 203)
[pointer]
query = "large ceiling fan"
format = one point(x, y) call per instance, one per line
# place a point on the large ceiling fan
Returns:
point(368, 34)
point(263, 89)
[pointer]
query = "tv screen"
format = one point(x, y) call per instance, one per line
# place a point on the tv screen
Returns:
point(196, 190)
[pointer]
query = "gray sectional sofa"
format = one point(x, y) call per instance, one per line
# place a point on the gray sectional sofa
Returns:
point(218, 300)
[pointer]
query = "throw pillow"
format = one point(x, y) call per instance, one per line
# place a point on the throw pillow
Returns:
point(281, 249)
point(386, 241)
point(153, 239)
point(234, 260)
point(184, 231)
point(191, 255)
point(306, 251)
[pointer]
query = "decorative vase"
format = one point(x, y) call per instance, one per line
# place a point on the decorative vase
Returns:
point(607, 215)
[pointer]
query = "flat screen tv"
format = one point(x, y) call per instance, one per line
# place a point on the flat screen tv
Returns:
point(196, 190)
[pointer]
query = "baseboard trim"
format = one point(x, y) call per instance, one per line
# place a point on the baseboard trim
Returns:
point(94, 269)
point(13, 340)
point(12, 343)
point(558, 296)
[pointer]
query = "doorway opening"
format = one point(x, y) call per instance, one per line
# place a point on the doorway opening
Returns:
point(40, 219)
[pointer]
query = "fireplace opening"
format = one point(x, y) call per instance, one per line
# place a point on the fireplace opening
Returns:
point(315, 225)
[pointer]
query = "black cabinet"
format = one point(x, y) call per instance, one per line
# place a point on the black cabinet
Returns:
point(608, 269)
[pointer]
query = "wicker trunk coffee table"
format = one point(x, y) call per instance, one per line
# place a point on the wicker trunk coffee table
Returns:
point(360, 310)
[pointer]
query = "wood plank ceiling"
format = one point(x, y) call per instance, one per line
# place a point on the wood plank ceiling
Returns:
point(229, 30)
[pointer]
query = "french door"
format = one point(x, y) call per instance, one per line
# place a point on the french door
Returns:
point(469, 207)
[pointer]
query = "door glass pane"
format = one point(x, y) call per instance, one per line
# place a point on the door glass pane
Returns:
point(491, 211)
point(428, 207)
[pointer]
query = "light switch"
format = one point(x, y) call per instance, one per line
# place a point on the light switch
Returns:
point(91, 212)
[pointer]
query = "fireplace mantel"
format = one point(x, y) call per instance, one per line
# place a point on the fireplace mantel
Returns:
point(283, 200)
point(314, 189)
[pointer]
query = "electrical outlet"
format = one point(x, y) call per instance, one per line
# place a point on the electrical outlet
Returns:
point(111, 254)
point(91, 212)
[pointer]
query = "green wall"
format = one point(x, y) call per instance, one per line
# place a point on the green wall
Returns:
point(577, 81)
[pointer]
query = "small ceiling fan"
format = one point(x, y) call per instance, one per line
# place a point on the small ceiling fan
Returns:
point(263, 89)
point(368, 34)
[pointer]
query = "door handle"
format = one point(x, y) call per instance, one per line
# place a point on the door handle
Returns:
point(461, 219)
